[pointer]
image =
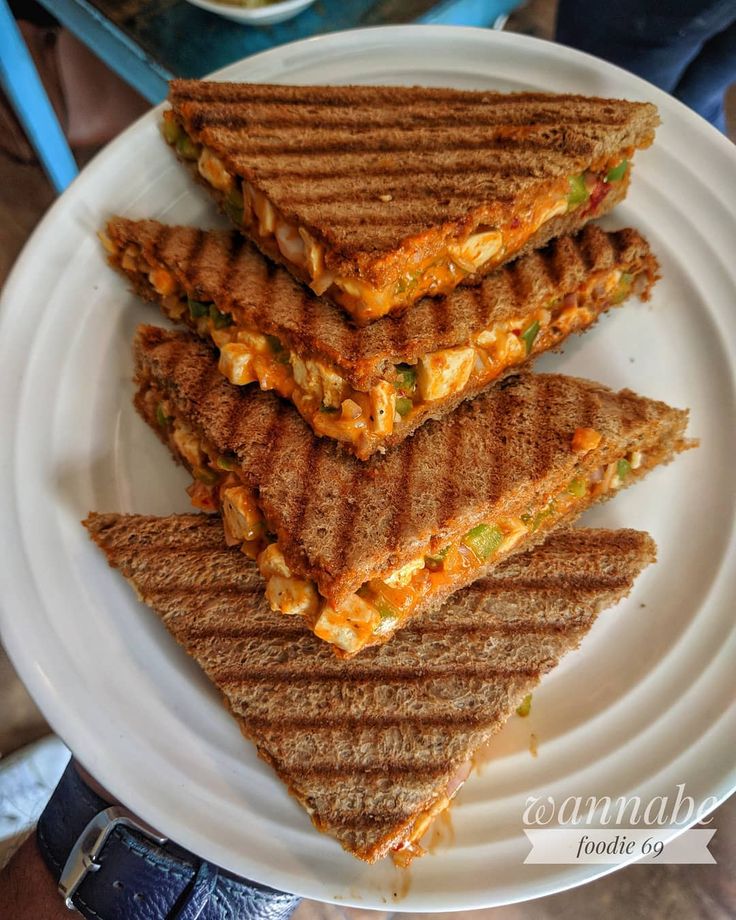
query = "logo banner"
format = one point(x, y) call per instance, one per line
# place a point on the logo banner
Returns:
point(611, 846)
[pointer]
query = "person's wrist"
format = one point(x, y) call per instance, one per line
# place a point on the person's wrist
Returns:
point(27, 888)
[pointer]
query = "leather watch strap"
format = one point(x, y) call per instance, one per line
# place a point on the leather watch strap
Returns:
point(133, 877)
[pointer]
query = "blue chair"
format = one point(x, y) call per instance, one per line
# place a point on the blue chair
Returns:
point(22, 85)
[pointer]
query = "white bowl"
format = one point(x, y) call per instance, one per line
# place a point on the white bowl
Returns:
point(259, 16)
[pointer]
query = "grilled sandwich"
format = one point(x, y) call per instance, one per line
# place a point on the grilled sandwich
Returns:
point(369, 388)
point(355, 548)
point(372, 753)
point(377, 196)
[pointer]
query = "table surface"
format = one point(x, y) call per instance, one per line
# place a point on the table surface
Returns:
point(150, 41)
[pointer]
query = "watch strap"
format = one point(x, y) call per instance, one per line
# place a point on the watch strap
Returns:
point(111, 866)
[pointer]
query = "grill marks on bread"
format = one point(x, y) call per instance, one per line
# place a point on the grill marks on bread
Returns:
point(340, 521)
point(325, 160)
point(235, 276)
point(367, 745)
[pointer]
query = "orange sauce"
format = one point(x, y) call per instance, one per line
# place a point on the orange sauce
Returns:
point(354, 422)
point(421, 265)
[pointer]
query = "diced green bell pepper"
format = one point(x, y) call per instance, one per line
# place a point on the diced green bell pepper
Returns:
point(197, 308)
point(406, 378)
point(623, 468)
point(388, 613)
point(406, 283)
point(171, 130)
point(281, 353)
point(404, 405)
point(434, 563)
point(208, 477)
point(484, 540)
point(220, 320)
point(161, 417)
point(525, 707)
point(234, 206)
point(186, 148)
point(385, 608)
point(227, 463)
point(623, 288)
point(578, 192)
point(539, 517)
point(529, 335)
point(618, 172)
point(577, 488)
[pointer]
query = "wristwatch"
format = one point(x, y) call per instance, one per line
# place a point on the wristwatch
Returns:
point(111, 866)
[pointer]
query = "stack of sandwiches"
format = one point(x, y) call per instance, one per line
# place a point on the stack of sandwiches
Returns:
point(383, 566)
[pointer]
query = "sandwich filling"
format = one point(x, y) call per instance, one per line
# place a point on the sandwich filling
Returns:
point(382, 604)
point(366, 419)
point(410, 847)
point(432, 263)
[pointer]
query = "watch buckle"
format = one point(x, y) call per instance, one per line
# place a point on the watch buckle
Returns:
point(83, 856)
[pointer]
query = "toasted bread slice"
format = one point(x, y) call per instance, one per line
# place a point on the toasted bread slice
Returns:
point(273, 331)
point(358, 548)
point(377, 196)
point(329, 728)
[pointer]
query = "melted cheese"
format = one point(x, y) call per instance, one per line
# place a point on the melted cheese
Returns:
point(381, 605)
point(446, 260)
point(364, 420)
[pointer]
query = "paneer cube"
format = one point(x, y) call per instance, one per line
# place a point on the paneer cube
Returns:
point(213, 170)
point(383, 407)
point(305, 377)
point(291, 243)
point(236, 363)
point(256, 341)
point(333, 385)
point(477, 249)
point(241, 517)
point(221, 337)
point(163, 282)
point(444, 372)
point(271, 562)
point(262, 208)
point(559, 207)
point(349, 625)
point(315, 255)
point(187, 444)
point(292, 596)
point(319, 381)
point(487, 338)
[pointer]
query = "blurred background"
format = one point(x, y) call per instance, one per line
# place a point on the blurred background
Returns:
point(73, 75)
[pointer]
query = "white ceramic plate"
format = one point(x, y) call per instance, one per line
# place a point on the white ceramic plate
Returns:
point(648, 702)
point(257, 16)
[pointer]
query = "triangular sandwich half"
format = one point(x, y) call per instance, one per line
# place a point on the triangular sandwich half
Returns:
point(379, 195)
point(357, 548)
point(370, 388)
point(372, 752)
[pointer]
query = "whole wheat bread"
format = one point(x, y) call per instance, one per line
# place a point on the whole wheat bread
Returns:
point(365, 168)
point(341, 522)
point(367, 746)
point(223, 269)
